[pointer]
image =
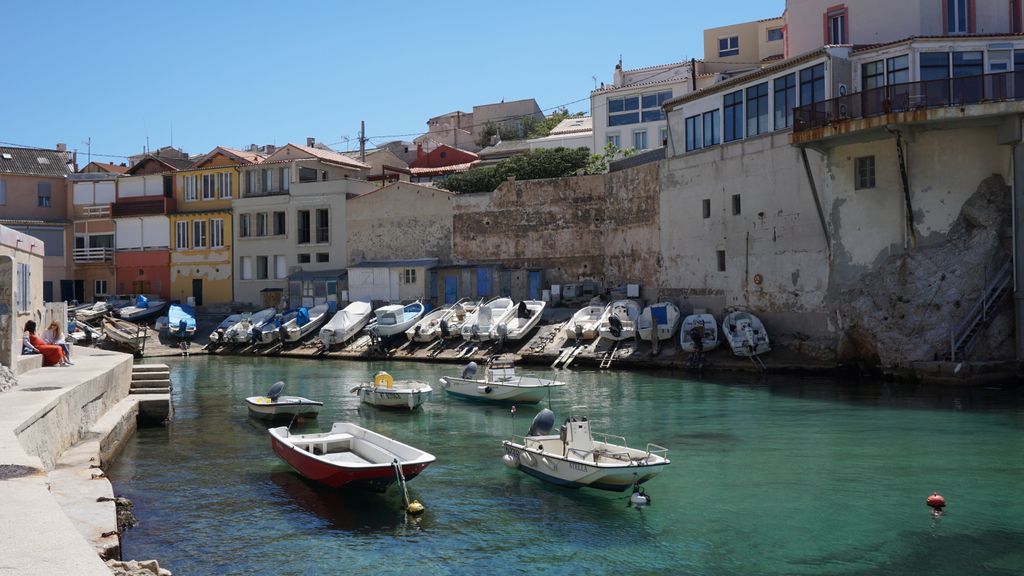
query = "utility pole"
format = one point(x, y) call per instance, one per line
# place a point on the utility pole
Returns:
point(88, 144)
point(362, 141)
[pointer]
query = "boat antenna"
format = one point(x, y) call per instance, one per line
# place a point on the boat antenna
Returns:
point(513, 411)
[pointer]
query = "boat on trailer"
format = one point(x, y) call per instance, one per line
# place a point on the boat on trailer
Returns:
point(499, 384)
point(386, 392)
point(577, 457)
point(349, 456)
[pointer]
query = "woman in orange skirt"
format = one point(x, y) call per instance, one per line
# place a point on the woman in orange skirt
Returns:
point(53, 355)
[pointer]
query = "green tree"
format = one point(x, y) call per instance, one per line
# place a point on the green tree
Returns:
point(542, 163)
point(598, 163)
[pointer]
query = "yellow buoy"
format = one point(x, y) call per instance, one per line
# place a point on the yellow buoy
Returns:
point(415, 507)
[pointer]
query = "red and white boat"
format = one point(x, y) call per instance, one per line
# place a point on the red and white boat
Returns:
point(348, 456)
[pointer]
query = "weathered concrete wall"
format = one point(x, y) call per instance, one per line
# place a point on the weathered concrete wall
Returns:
point(602, 228)
point(400, 221)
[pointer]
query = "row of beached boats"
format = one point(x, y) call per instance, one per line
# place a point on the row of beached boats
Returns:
point(123, 321)
point(352, 456)
point(620, 320)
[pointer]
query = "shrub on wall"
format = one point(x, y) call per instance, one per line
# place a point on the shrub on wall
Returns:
point(532, 165)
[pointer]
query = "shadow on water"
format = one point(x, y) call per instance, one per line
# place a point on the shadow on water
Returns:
point(347, 510)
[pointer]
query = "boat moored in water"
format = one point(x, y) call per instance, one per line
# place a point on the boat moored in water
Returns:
point(499, 384)
point(274, 406)
point(386, 392)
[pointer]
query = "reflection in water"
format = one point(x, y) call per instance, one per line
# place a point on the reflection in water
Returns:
point(348, 510)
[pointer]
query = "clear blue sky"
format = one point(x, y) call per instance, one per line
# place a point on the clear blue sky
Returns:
point(235, 73)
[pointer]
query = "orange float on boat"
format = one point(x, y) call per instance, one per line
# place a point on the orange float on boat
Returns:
point(936, 500)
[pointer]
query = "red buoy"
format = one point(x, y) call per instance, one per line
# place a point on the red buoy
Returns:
point(936, 501)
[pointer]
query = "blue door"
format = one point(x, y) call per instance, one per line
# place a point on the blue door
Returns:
point(484, 282)
point(534, 287)
point(451, 289)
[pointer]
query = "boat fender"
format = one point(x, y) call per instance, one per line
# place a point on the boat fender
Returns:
point(485, 389)
point(415, 508)
point(527, 458)
point(639, 498)
point(383, 379)
point(936, 501)
point(510, 461)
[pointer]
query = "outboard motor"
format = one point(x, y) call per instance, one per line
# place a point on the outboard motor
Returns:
point(445, 332)
point(469, 371)
point(275, 391)
point(615, 326)
point(502, 330)
point(542, 423)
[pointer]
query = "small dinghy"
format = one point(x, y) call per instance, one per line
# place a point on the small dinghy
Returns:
point(181, 321)
point(745, 333)
point(386, 392)
point(395, 318)
point(700, 327)
point(517, 325)
point(619, 320)
point(92, 312)
point(658, 322)
point(583, 325)
point(346, 323)
point(499, 384)
point(577, 457)
point(349, 456)
point(142, 309)
point(274, 406)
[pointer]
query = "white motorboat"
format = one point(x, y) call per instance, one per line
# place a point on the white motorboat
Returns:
point(619, 320)
point(386, 392)
point(241, 331)
point(480, 325)
point(304, 323)
point(702, 327)
point(499, 384)
point(583, 325)
point(125, 334)
point(349, 456)
point(82, 332)
point(395, 318)
point(274, 405)
point(577, 457)
point(440, 323)
point(218, 334)
point(658, 321)
point(346, 323)
point(142, 309)
point(461, 311)
point(745, 333)
point(91, 313)
point(270, 332)
point(517, 325)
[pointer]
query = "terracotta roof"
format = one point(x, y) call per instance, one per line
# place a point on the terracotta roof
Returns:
point(35, 162)
point(243, 157)
point(452, 169)
point(331, 156)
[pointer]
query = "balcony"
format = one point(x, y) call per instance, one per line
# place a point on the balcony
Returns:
point(86, 255)
point(94, 211)
point(943, 99)
point(143, 207)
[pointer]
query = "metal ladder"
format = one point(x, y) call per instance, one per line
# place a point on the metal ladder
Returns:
point(606, 360)
point(962, 337)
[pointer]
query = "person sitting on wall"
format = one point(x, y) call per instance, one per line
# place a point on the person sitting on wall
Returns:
point(53, 335)
point(52, 354)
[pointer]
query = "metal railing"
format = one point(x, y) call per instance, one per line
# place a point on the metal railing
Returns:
point(148, 206)
point(96, 211)
point(911, 96)
point(93, 254)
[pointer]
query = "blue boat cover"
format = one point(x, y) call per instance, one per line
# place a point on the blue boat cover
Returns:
point(660, 315)
point(302, 318)
point(179, 313)
point(141, 301)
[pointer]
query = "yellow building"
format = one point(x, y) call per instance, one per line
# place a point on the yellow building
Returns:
point(201, 231)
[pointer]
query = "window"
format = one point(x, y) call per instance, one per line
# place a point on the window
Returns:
point(307, 174)
point(243, 225)
point(872, 75)
point(280, 267)
point(640, 139)
point(812, 85)
point(286, 177)
point(956, 17)
point(303, 258)
point(998, 60)
point(729, 46)
point(261, 223)
point(181, 234)
point(736, 206)
point(268, 180)
point(323, 226)
point(24, 299)
point(246, 266)
point(225, 185)
point(757, 109)
point(733, 116)
point(99, 288)
point(706, 208)
point(934, 65)
point(251, 186)
point(775, 34)
point(614, 140)
point(322, 257)
point(279, 224)
point(785, 101)
point(190, 187)
point(835, 21)
point(261, 268)
point(303, 226)
point(209, 190)
point(199, 233)
point(650, 105)
point(3, 192)
point(332, 287)
point(622, 111)
point(409, 276)
point(721, 260)
point(897, 70)
point(43, 190)
point(865, 173)
point(217, 233)
point(694, 133)
point(968, 64)
point(711, 128)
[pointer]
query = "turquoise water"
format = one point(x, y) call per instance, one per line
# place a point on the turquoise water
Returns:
point(775, 476)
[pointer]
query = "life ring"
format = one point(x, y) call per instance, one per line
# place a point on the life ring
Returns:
point(383, 378)
point(758, 279)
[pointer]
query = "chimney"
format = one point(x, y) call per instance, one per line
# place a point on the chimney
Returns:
point(310, 141)
point(254, 148)
point(62, 147)
point(270, 148)
point(419, 151)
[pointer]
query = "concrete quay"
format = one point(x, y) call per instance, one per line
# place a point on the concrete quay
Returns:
point(58, 427)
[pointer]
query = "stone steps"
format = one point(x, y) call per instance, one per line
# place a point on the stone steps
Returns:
point(144, 376)
point(150, 379)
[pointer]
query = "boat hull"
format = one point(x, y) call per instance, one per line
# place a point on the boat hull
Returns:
point(375, 478)
point(393, 398)
point(526, 390)
point(261, 407)
point(573, 473)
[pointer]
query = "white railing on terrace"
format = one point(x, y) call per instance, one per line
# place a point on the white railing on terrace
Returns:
point(96, 211)
point(93, 254)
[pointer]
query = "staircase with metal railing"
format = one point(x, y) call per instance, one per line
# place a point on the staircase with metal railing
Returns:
point(963, 337)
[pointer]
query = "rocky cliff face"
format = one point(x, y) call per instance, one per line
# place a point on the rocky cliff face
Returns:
point(905, 309)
